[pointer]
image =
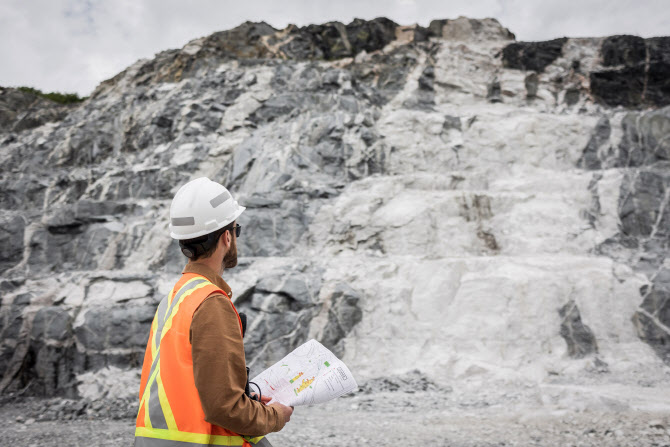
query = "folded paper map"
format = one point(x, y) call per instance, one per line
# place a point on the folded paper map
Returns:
point(309, 375)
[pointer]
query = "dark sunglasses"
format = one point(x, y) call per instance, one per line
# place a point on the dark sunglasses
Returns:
point(237, 228)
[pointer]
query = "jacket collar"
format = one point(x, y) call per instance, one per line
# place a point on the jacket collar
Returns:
point(211, 276)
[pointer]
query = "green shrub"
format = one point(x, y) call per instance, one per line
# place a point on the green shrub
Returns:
point(60, 98)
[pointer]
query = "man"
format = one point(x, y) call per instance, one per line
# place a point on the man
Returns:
point(194, 389)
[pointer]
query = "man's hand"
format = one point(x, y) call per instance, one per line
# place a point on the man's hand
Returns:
point(283, 410)
point(264, 399)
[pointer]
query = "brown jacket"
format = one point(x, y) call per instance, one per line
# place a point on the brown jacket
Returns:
point(219, 366)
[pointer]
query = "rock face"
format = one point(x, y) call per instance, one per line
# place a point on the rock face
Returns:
point(441, 199)
point(21, 110)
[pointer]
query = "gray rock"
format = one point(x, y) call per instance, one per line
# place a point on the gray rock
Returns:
point(653, 317)
point(591, 159)
point(427, 79)
point(12, 230)
point(279, 311)
point(343, 310)
point(579, 337)
point(493, 93)
point(572, 96)
point(20, 110)
point(13, 328)
point(270, 303)
point(122, 326)
point(641, 204)
point(643, 142)
point(52, 323)
point(531, 83)
point(645, 138)
point(295, 286)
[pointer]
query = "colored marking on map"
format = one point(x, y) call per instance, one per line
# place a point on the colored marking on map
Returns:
point(304, 385)
point(271, 387)
point(326, 363)
point(295, 378)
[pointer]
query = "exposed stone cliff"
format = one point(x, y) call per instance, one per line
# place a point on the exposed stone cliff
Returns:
point(440, 198)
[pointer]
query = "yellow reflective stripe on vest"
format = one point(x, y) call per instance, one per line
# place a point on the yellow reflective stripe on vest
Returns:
point(164, 325)
point(167, 307)
point(165, 404)
point(195, 438)
point(175, 306)
point(152, 342)
point(144, 402)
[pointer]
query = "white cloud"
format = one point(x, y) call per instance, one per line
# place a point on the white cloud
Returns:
point(72, 45)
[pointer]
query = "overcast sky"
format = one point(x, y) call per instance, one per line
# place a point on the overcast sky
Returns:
point(72, 45)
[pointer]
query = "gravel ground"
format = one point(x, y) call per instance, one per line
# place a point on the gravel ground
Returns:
point(385, 418)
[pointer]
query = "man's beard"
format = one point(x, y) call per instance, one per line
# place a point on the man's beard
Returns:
point(230, 258)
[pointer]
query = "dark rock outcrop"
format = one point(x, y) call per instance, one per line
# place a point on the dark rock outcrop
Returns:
point(622, 87)
point(623, 50)
point(640, 73)
point(534, 56)
point(21, 110)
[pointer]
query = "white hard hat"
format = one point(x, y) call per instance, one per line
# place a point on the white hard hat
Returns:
point(200, 207)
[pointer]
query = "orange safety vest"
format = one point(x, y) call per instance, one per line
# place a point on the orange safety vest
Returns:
point(171, 413)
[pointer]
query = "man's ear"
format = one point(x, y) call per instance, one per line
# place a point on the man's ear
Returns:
point(225, 240)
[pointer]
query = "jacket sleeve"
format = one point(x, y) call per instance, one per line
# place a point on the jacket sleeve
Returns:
point(219, 369)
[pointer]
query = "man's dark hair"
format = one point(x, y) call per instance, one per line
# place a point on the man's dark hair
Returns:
point(204, 246)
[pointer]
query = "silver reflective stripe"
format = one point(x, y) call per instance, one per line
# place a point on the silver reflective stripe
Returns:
point(177, 297)
point(154, 365)
point(218, 200)
point(141, 441)
point(183, 221)
point(160, 320)
point(155, 409)
point(163, 317)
